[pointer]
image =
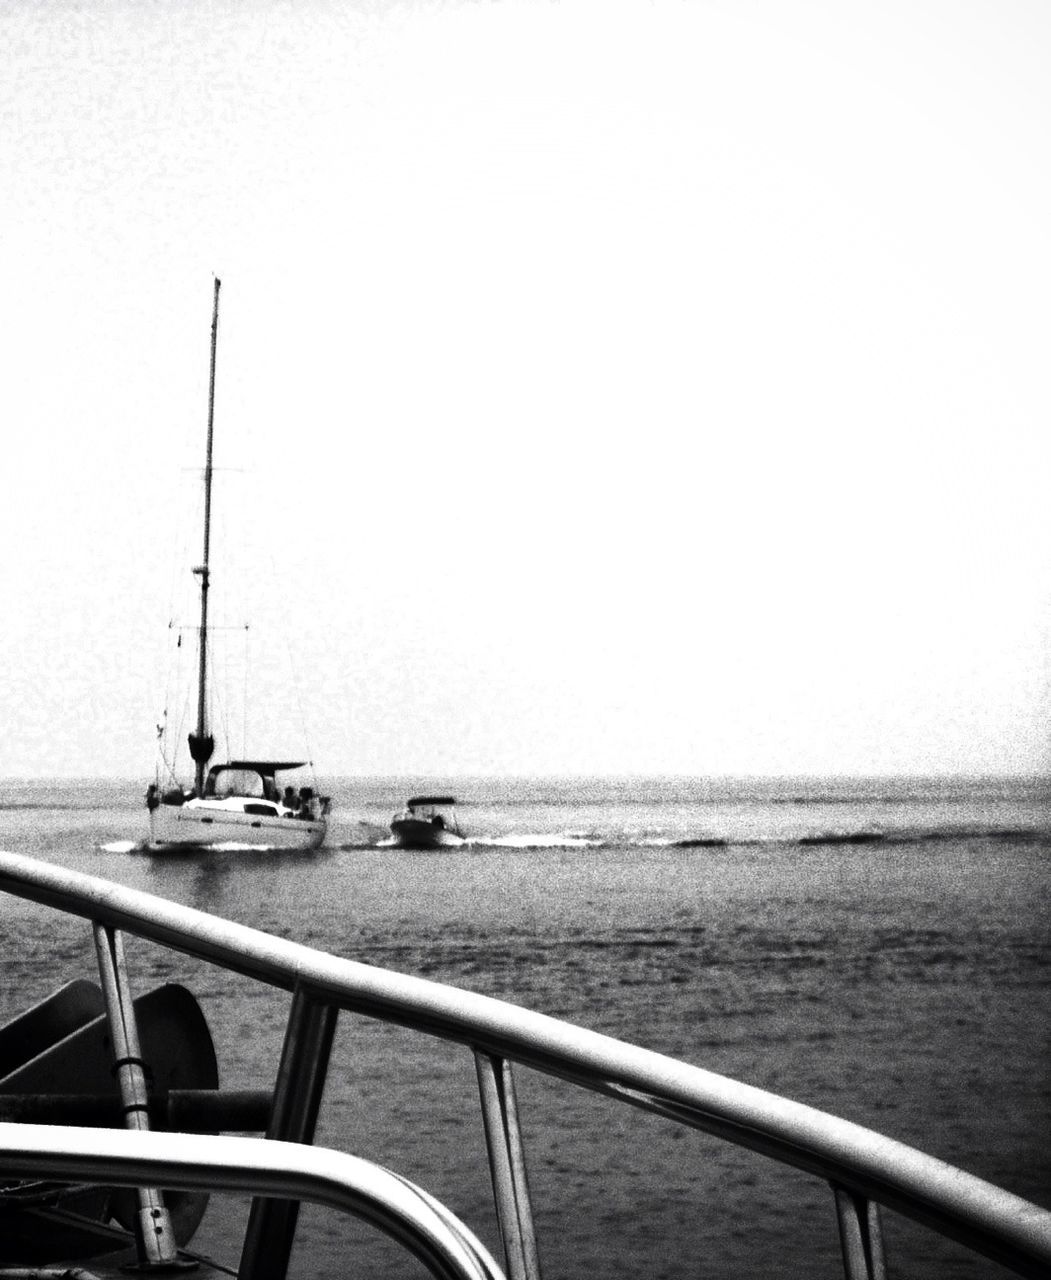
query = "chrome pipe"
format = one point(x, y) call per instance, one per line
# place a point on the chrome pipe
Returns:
point(301, 1076)
point(283, 1170)
point(507, 1167)
point(860, 1236)
point(154, 1233)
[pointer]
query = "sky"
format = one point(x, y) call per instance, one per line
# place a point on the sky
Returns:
point(624, 387)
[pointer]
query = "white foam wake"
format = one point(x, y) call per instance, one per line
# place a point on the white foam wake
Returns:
point(542, 841)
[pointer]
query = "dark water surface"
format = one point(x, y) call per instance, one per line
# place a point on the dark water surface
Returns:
point(878, 950)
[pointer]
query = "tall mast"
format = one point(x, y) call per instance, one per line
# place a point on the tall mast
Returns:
point(201, 743)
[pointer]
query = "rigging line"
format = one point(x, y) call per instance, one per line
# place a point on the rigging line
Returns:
point(222, 709)
point(230, 700)
point(297, 687)
point(302, 713)
point(183, 704)
point(244, 696)
point(171, 665)
point(218, 711)
point(219, 692)
point(164, 737)
point(177, 565)
point(175, 691)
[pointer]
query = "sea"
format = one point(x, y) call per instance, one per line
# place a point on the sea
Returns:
point(876, 948)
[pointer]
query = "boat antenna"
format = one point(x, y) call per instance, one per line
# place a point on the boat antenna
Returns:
point(202, 744)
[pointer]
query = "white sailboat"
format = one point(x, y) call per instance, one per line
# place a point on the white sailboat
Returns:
point(237, 801)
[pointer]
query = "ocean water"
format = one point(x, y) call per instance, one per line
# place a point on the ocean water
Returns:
point(875, 948)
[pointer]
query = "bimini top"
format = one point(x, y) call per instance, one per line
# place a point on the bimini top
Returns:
point(418, 800)
point(266, 768)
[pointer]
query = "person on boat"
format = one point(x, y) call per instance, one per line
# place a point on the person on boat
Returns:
point(290, 800)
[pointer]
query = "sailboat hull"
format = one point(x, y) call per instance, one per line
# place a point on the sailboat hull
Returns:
point(200, 827)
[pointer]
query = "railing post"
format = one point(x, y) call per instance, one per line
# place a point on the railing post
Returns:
point(507, 1166)
point(860, 1235)
point(297, 1101)
point(154, 1237)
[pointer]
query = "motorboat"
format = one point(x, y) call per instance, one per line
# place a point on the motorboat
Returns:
point(239, 801)
point(427, 822)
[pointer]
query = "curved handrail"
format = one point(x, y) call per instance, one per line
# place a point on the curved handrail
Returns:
point(957, 1204)
point(389, 1202)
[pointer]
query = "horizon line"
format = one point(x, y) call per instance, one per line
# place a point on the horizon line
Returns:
point(590, 774)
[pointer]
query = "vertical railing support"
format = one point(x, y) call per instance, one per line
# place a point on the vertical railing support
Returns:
point(507, 1166)
point(155, 1238)
point(297, 1101)
point(860, 1235)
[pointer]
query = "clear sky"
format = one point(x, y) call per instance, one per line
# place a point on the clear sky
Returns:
point(619, 387)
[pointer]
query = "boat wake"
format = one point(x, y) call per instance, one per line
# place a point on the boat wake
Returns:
point(866, 837)
point(189, 850)
point(568, 840)
point(563, 840)
point(927, 836)
point(634, 840)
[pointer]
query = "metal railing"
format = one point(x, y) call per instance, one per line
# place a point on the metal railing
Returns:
point(392, 1204)
point(863, 1168)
